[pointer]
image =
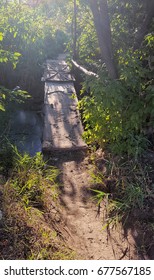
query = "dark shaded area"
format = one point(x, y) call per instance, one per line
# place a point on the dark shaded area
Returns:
point(58, 159)
point(9, 240)
point(26, 128)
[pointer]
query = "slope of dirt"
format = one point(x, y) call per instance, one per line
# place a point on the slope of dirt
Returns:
point(83, 218)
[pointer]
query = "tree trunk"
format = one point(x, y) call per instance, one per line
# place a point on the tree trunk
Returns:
point(100, 13)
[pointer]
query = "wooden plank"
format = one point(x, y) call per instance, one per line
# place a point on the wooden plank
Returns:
point(57, 70)
point(62, 124)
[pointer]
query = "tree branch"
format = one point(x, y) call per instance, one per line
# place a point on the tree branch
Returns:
point(85, 71)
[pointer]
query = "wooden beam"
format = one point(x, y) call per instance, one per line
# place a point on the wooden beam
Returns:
point(85, 71)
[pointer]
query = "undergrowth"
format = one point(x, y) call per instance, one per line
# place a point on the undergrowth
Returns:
point(32, 218)
point(125, 188)
point(118, 114)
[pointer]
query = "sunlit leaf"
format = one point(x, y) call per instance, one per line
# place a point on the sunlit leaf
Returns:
point(2, 107)
point(1, 36)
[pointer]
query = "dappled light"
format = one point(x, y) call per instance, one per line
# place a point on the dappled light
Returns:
point(76, 129)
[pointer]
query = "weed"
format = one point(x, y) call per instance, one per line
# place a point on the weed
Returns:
point(29, 196)
point(126, 187)
point(100, 195)
point(126, 192)
point(30, 177)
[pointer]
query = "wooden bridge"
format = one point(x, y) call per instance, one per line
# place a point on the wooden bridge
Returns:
point(62, 124)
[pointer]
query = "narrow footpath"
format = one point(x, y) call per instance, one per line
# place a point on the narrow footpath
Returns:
point(84, 220)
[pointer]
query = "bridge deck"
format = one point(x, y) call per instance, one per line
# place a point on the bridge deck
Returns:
point(62, 124)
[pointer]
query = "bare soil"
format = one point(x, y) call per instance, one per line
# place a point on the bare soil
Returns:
point(84, 219)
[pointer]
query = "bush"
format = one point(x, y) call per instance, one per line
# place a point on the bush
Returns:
point(120, 112)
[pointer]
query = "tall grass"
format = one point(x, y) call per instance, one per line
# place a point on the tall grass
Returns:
point(125, 188)
point(32, 211)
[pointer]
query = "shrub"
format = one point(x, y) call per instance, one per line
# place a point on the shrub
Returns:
point(119, 112)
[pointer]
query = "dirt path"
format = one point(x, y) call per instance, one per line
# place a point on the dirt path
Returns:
point(84, 220)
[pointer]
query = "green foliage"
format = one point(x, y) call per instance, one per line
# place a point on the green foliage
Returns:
point(126, 17)
point(118, 112)
point(9, 96)
point(31, 34)
point(6, 153)
point(31, 207)
point(29, 178)
point(86, 40)
point(100, 195)
point(125, 188)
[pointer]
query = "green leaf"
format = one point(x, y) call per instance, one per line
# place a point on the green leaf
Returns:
point(2, 107)
point(15, 34)
point(1, 36)
point(16, 54)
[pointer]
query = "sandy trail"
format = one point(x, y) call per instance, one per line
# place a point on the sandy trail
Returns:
point(83, 220)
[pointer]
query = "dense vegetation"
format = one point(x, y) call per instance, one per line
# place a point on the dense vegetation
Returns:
point(119, 108)
point(32, 33)
point(115, 41)
point(29, 36)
